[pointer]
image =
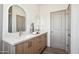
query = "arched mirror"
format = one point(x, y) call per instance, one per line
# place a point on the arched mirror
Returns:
point(16, 19)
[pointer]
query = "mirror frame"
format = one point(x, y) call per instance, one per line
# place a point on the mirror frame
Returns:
point(21, 9)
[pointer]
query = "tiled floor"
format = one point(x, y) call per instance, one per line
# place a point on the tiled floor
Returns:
point(54, 51)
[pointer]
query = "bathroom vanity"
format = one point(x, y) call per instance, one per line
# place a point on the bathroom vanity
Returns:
point(27, 44)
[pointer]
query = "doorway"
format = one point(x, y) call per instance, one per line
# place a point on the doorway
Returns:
point(58, 29)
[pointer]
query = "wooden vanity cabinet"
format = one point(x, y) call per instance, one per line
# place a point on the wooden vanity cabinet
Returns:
point(32, 46)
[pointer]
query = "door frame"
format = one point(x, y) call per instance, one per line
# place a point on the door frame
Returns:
point(65, 26)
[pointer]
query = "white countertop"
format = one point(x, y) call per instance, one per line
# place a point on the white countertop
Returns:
point(14, 39)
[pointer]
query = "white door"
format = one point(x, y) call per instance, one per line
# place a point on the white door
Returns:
point(58, 30)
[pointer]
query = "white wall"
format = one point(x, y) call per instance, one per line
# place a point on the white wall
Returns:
point(1, 20)
point(31, 13)
point(75, 28)
point(45, 16)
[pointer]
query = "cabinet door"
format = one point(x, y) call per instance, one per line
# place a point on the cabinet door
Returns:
point(40, 44)
point(36, 45)
point(44, 40)
point(26, 50)
point(30, 47)
point(20, 48)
